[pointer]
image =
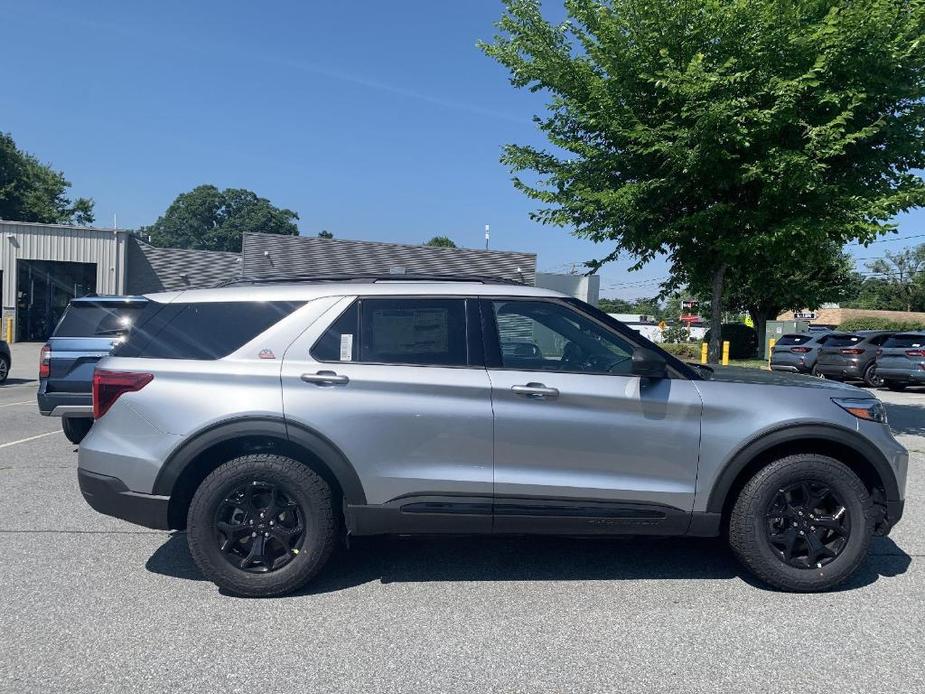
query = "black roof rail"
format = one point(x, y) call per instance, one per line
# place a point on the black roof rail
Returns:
point(365, 279)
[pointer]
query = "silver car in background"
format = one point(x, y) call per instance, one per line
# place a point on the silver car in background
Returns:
point(272, 419)
point(901, 361)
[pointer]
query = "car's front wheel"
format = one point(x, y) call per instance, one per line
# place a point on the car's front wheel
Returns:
point(4, 369)
point(803, 523)
point(76, 428)
point(261, 525)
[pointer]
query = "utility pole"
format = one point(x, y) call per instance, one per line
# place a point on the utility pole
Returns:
point(487, 235)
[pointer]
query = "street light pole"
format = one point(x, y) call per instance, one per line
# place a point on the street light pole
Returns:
point(487, 235)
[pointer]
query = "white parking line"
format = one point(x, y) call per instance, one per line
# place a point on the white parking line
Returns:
point(31, 438)
point(24, 402)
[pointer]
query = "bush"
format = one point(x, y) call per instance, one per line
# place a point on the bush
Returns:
point(743, 340)
point(872, 323)
point(676, 333)
point(683, 350)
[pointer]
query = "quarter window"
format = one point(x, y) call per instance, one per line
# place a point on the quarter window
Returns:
point(547, 336)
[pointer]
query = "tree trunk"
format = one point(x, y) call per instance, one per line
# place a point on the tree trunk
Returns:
point(716, 316)
point(760, 320)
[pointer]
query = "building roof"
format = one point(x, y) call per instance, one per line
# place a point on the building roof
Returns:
point(277, 254)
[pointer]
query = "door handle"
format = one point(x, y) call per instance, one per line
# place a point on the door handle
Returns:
point(537, 391)
point(326, 378)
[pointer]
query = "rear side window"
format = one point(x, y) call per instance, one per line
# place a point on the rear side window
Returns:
point(905, 341)
point(96, 320)
point(843, 340)
point(794, 339)
point(412, 331)
point(208, 330)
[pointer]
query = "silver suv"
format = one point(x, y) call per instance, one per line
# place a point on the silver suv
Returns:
point(270, 420)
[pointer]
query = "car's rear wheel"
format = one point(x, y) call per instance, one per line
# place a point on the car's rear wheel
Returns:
point(261, 525)
point(803, 523)
point(871, 379)
point(817, 373)
point(76, 428)
point(4, 369)
point(897, 386)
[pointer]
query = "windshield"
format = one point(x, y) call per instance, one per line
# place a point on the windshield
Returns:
point(905, 341)
point(844, 340)
point(85, 319)
point(794, 339)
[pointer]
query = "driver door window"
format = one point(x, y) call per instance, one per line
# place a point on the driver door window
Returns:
point(547, 336)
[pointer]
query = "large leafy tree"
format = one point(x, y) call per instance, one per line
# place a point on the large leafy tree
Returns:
point(211, 219)
point(720, 133)
point(31, 191)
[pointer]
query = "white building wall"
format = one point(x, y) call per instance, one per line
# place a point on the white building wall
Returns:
point(584, 287)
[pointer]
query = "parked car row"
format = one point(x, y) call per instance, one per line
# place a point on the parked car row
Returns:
point(876, 357)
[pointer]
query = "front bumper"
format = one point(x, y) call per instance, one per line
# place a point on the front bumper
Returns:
point(110, 496)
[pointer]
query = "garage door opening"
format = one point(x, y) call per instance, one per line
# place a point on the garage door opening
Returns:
point(43, 290)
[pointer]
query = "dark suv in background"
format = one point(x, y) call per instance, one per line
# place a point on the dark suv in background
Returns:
point(89, 329)
point(901, 361)
point(851, 356)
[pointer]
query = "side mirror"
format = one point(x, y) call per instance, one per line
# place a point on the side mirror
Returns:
point(648, 364)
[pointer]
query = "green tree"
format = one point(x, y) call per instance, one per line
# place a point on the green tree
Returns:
point(325, 234)
point(211, 219)
point(806, 279)
point(34, 192)
point(716, 132)
point(896, 281)
point(441, 242)
point(616, 306)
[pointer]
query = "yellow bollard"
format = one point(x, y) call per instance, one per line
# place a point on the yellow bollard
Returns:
point(9, 330)
point(771, 344)
point(725, 352)
point(703, 352)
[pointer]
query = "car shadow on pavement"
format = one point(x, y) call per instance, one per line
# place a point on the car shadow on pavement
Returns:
point(17, 382)
point(906, 419)
point(428, 559)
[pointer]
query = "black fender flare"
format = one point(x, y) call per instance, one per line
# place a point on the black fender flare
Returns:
point(304, 437)
point(795, 434)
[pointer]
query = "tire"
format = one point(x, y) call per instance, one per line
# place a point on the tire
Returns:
point(4, 369)
point(871, 379)
point(309, 506)
point(817, 373)
point(76, 428)
point(751, 526)
point(896, 386)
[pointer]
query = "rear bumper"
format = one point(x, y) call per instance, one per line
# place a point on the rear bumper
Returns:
point(786, 367)
point(842, 370)
point(110, 496)
point(905, 375)
point(65, 404)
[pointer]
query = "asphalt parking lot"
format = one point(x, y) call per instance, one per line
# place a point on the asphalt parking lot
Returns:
point(93, 604)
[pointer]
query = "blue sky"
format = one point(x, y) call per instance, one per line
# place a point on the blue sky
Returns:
point(374, 120)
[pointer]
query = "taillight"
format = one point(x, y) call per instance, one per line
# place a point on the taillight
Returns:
point(854, 350)
point(109, 385)
point(45, 362)
point(799, 350)
point(915, 352)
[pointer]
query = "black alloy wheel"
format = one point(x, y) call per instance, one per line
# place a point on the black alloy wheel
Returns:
point(259, 527)
point(871, 379)
point(808, 526)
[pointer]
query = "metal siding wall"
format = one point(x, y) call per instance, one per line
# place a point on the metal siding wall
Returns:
point(62, 243)
point(308, 255)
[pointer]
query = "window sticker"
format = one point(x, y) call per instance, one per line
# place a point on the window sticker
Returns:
point(346, 347)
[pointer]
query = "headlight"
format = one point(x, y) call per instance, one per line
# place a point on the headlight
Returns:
point(863, 408)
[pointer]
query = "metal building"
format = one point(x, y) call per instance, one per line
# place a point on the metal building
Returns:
point(43, 266)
